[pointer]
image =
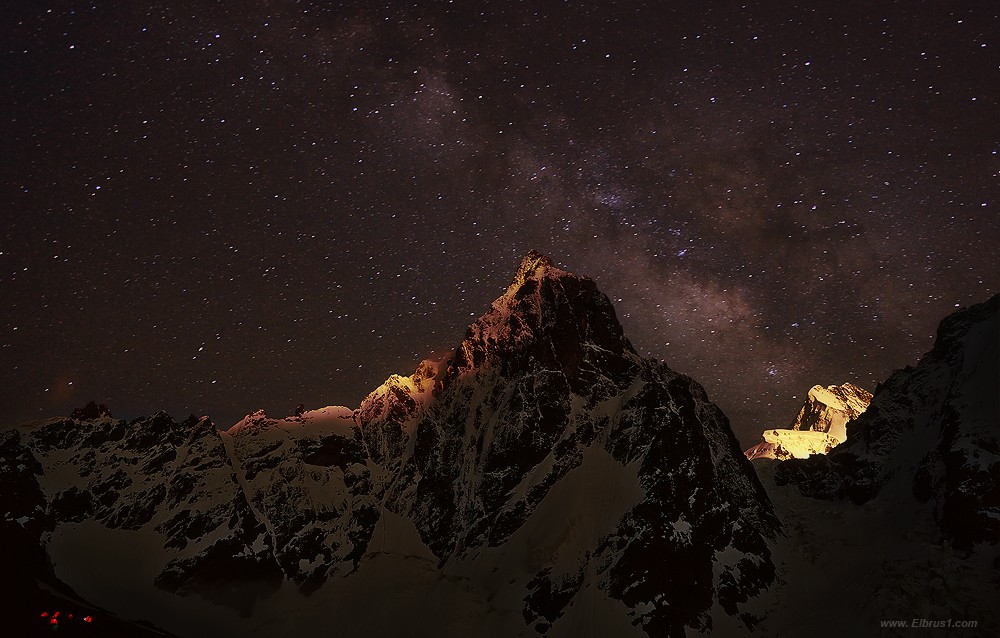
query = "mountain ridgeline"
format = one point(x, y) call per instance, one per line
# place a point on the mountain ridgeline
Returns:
point(544, 480)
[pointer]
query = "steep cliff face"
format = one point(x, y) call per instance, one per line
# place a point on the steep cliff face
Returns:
point(544, 480)
point(930, 433)
point(901, 520)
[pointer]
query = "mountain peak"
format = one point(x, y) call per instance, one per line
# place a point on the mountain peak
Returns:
point(551, 319)
point(534, 268)
point(532, 262)
point(929, 434)
point(399, 397)
point(829, 409)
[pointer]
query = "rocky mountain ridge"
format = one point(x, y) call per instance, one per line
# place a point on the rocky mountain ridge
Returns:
point(544, 474)
point(900, 520)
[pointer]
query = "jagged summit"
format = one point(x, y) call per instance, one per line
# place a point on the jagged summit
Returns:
point(930, 436)
point(534, 268)
point(549, 318)
point(399, 397)
point(532, 263)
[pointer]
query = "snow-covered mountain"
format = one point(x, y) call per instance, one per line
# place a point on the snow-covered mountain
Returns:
point(931, 431)
point(820, 425)
point(543, 480)
point(902, 521)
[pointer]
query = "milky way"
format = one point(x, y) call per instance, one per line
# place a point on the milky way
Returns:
point(227, 206)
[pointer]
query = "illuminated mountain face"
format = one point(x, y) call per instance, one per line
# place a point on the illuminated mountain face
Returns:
point(829, 409)
point(784, 444)
point(544, 478)
point(820, 425)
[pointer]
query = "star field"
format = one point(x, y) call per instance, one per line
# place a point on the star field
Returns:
point(225, 206)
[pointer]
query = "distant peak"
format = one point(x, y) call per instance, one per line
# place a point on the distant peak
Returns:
point(91, 412)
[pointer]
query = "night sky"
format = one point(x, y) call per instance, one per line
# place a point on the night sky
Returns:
point(212, 207)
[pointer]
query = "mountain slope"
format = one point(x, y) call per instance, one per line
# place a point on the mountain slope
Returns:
point(544, 480)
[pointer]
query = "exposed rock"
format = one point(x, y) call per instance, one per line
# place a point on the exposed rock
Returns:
point(829, 409)
point(91, 412)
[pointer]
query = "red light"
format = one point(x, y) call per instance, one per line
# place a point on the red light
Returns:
point(88, 619)
point(56, 615)
point(71, 616)
point(53, 621)
point(45, 614)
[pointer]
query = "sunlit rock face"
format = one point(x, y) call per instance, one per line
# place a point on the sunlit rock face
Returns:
point(544, 478)
point(931, 432)
point(829, 409)
point(820, 425)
